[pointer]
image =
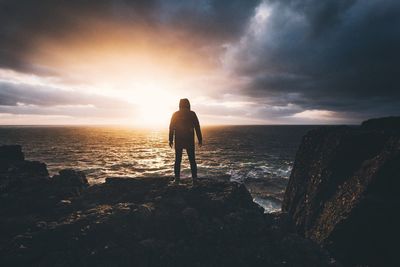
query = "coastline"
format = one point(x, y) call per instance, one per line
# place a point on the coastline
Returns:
point(61, 220)
point(338, 210)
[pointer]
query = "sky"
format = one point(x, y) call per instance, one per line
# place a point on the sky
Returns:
point(237, 61)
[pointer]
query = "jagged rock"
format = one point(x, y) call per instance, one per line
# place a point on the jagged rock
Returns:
point(344, 191)
point(28, 169)
point(22, 176)
point(69, 177)
point(146, 222)
point(69, 183)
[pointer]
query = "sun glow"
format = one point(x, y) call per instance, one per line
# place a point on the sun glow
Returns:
point(147, 77)
point(147, 71)
point(154, 105)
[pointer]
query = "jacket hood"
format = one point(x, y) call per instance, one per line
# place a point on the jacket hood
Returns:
point(184, 103)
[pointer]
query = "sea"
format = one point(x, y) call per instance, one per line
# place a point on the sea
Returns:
point(261, 157)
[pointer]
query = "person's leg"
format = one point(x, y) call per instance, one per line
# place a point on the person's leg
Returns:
point(192, 160)
point(177, 166)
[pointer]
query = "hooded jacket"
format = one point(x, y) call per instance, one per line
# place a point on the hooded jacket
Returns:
point(183, 124)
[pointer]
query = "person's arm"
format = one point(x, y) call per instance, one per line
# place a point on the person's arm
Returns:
point(196, 125)
point(171, 130)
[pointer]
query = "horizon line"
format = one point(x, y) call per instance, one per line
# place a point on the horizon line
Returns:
point(152, 127)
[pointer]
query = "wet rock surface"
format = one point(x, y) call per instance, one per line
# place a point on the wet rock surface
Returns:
point(344, 191)
point(62, 221)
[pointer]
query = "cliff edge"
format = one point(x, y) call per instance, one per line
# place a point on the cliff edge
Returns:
point(344, 191)
point(64, 221)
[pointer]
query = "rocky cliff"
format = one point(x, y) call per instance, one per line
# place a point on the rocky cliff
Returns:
point(344, 191)
point(62, 221)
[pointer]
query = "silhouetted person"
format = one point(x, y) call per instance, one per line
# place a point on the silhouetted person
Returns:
point(183, 124)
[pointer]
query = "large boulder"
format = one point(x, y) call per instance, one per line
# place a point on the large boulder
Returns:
point(10, 154)
point(70, 177)
point(69, 183)
point(344, 191)
point(18, 174)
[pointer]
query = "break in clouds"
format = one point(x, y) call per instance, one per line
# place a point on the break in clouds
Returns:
point(287, 61)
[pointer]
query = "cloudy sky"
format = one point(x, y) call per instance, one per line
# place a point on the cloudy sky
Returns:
point(238, 61)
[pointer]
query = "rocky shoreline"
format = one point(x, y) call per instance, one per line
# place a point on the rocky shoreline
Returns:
point(340, 208)
point(62, 221)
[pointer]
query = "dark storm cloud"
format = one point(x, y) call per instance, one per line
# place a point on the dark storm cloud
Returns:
point(341, 55)
point(22, 22)
point(338, 55)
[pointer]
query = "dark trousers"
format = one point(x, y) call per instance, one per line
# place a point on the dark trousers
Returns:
point(178, 160)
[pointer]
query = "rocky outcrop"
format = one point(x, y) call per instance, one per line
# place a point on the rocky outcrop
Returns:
point(344, 191)
point(142, 222)
point(27, 192)
point(388, 124)
point(21, 178)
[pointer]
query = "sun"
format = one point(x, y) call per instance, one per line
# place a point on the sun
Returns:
point(154, 105)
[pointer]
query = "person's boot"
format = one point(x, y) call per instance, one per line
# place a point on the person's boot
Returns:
point(177, 180)
point(195, 182)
